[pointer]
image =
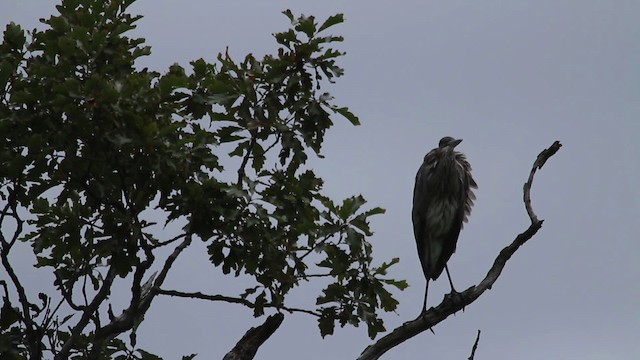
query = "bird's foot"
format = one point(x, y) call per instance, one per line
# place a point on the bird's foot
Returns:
point(456, 298)
point(423, 316)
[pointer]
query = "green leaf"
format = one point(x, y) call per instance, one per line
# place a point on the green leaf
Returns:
point(216, 255)
point(257, 153)
point(40, 206)
point(326, 322)
point(260, 301)
point(375, 327)
point(344, 111)
point(200, 67)
point(307, 24)
point(170, 82)
point(361, 225)
point(289, 14)
point(387, 302)
point(228, 134)
point(65, 319)
point(8, 315)
point(148, 356)
point(382, 269)
point(350, 206)
point(14, 36)
point(332, 20)
point(400, 284)
point(240, 149)
point(286, 38)
point(374, 211)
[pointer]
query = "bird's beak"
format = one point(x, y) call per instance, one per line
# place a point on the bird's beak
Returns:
point(455, 143)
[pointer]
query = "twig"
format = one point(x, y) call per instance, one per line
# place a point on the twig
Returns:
point(87, 314)
point(538, 164)
point(66, 295)
point(229, 299)
point(158, 244)
point(475, 347)
point(245, 160)
point(32, 330)
point(453, 303)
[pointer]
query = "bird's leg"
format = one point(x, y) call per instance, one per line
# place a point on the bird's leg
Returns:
point(424, 304)
point(454, 292)
point(449, 277)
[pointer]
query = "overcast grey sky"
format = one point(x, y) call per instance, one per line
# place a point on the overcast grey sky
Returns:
point(509, 77)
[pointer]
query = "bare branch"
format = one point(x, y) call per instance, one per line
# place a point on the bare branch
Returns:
point(32, 330)
point(275, 142)
point(49, 318)
point(137, 309)
point(171, 259)
point(453, 302)
point(199, 295)
point(247, 347)
point(66, 295)
point(167, 242)
point(245, 160)
point(229, 299)
point(87, 314)
point(538, 164)
point(475, 346)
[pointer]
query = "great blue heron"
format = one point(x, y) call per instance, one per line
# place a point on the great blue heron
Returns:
point(442, 200)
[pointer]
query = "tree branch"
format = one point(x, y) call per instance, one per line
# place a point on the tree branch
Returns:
point(538, 164)
point(230, 299)
point(475, 347)
point(247, 347)
point(88, 313)
point(32, 331)
point(453, 302)
point(125, 321)
point(245, 160)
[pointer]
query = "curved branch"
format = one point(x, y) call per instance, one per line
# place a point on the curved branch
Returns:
point(453, 302)
point(32, 330)
point(88, 313)
point(538, 164)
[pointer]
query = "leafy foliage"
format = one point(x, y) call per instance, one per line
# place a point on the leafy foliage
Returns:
point(93, 143)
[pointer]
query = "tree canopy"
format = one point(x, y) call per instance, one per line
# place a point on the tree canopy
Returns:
point(100, 157)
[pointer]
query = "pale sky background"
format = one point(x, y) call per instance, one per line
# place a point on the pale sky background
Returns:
point(509, 77)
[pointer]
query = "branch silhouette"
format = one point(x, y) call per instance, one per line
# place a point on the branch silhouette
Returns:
point(247, 347)
point(475, 347)
point(453, 303)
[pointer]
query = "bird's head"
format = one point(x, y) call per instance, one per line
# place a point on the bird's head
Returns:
point(448, 143)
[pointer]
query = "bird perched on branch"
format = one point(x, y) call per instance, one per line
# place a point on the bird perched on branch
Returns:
point(442, 200)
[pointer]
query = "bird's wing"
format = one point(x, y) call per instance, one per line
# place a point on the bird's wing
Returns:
point(469, 184)
point(419, 211)
point(451, 238)
point(465, 202)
